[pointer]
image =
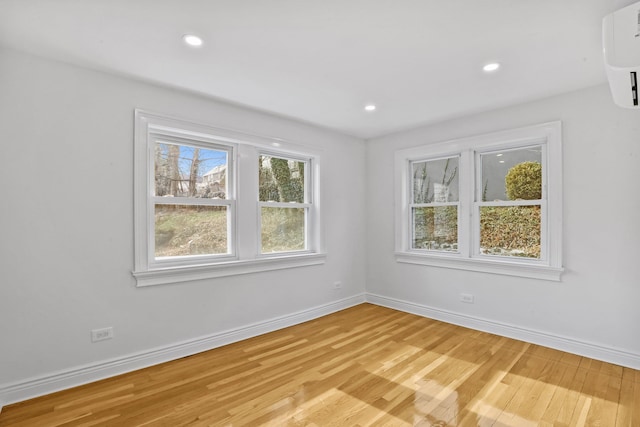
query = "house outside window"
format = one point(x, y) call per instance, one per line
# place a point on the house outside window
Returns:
point(201, 208)
point(215, 179)
point(490, 203)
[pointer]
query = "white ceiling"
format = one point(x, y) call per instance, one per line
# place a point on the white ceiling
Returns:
point(321, 61)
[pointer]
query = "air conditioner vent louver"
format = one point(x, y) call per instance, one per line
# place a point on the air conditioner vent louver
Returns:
point(621, 42)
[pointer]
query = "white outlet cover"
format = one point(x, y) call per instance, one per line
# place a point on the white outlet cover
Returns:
point(468, 298)
point(101, 334)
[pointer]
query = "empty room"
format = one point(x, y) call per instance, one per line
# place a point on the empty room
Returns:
point(329, 213)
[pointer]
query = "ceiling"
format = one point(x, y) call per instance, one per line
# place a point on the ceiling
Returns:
point(321, 62)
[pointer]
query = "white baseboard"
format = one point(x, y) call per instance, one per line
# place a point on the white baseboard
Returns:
point(39, 386)
point(570, 345)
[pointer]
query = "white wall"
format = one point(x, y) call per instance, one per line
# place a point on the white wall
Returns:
point(597, 300)
point(66, 218)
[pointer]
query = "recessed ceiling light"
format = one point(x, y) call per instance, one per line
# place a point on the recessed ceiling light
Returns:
point(501, 161)
point(192, 40)
point(370, 107)
point(275, 144)
point(491, 67)
point(499, 155)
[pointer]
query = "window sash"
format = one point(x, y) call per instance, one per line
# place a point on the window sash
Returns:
point(196, 259)
point(179, 260)
point(476, 219)
point(505, 148)
point(412, 228)
point(197, 142)
point(411, 183)
point(308, 173)
point(306, 232)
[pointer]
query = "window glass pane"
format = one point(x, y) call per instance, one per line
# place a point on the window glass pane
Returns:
point(510, 231)
point(512, 174)
point(188, 171)
point(283, 229)
point(435, 228)
point(182, 230)
point(435, 181)
point(281, 180)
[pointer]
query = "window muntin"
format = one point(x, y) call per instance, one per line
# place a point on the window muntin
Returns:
point(283, 201)
point(192, 205)
point(509, 206)
point(434, 204)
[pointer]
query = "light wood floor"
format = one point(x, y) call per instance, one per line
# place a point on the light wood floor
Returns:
point(363, 366)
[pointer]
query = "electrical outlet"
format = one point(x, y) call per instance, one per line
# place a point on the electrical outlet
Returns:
point(101, 334)
point(337, 285)
point(468, 298)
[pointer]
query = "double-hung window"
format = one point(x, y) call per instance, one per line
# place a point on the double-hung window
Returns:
point(211, 202)
point(509, 202)
point(284, 203)
point(435, 204)
point(192, 201)
point(490, 203)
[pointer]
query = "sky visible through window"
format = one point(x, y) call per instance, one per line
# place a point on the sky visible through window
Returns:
point(207, 159)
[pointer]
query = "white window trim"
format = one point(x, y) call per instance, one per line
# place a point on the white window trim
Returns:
point(244, 257)
point(547, 268)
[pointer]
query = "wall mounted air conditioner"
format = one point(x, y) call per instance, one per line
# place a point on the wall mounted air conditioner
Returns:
point(621, 43)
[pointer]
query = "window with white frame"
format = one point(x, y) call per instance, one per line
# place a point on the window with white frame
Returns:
point(193, 201)
point(211, 202)
point(284, 203)
point(509, 202)
point(435, 204)
point(489, 203)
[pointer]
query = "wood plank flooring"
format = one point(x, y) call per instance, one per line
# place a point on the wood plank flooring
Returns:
point(365, 366)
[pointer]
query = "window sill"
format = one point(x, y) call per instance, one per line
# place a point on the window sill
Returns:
point(230, 268)
point(509, 268)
